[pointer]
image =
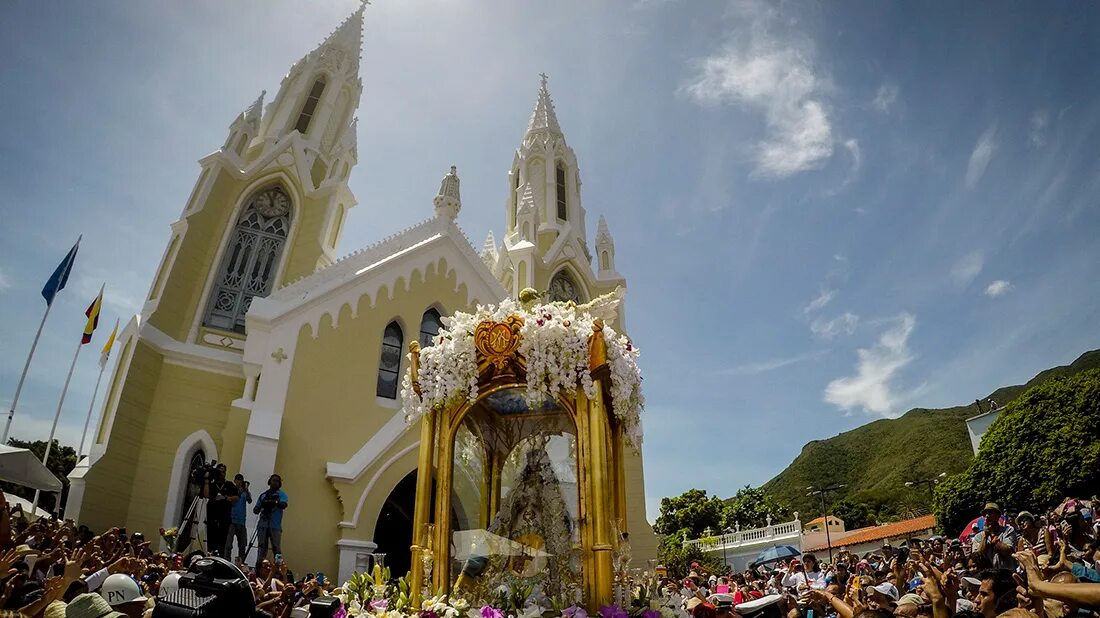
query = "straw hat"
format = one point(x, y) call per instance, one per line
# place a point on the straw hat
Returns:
point(91, 605)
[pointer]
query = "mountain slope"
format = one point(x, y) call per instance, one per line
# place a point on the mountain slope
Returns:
point(876, 459)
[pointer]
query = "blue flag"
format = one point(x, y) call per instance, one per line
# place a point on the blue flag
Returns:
point(60, 275)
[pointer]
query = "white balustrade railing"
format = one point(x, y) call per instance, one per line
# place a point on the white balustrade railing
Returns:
point(767, 534)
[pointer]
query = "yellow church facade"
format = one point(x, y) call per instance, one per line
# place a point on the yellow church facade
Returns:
point(260, 349)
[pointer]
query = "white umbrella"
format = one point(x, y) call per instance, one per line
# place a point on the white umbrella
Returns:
point(22, 467)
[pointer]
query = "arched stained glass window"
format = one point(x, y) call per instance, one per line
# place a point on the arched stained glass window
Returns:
point(251, 259)
point(389, 365)
point(563, 210)
point(429, 327)
point(310, 107)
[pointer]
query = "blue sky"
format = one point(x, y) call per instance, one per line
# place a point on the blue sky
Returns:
point(827, 212)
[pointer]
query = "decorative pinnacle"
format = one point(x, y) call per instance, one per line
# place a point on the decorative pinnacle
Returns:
point(544, 117)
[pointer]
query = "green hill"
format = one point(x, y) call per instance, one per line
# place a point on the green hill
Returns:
point(876, 459)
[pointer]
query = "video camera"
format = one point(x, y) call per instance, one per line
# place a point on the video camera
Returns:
point(204, 473)
point(268, 501)
point(211, 587)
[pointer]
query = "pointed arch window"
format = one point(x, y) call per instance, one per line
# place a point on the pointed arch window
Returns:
point(389, 365)
point(310, 107)
point(251, 259)
point(429, 327)
point(563, 210)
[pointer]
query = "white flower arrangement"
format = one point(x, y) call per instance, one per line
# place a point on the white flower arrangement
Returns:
point(554, 342)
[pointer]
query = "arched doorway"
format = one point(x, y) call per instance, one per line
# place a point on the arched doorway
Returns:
point(188, 517)
point(394, 530)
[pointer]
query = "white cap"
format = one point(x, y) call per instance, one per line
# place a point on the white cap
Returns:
point(887, 589)
point(119, 589)
point(169, 584)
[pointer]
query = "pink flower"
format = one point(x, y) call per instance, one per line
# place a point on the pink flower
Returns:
point(489, 611)
point(379, 604)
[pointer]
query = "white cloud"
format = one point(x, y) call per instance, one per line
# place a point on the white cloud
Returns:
point(998, 288)
point(857, 158)
point(769, 365)
point(965, 270)
point(820, 301)
point(843, 324)
point(885, 98)
point(5, 283)
point(871, 388)
point(980, 157)
point(763, 71)
point(1037, 128)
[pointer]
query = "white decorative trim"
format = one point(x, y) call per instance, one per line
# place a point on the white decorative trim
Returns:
point(192, 355)
point(128, 337)
point(372, 449)
point(167, 261)
point(354, 523)
point(177, 484)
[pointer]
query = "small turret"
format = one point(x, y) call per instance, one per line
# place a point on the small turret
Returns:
point(605, 251)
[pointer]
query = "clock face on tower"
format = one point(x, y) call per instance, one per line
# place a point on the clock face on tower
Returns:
point(562, 288)
point(272, 203)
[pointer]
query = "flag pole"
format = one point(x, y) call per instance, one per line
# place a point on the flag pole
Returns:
point(26, 367)
point(54, 285)
point(91, 406)
point(53, 430)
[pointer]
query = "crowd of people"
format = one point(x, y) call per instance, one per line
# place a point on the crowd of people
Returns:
point(1017, 564)
point(54, 568)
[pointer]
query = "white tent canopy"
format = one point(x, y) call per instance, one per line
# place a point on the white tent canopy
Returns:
point(22, 467)
point(26, 504)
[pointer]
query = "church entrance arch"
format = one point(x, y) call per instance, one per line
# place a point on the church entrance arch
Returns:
point(395, 525)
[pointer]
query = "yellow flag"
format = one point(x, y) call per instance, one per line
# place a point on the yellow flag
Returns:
point(107, 347)
point(93, 318)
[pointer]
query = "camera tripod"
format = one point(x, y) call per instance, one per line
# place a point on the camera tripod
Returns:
point(196, 514)
point(265, 521)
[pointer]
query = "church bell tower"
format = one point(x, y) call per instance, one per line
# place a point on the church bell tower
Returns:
point(269, 205)
point(545, 243)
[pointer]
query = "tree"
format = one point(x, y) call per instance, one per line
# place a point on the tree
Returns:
point(750, 508)
point(62, 461)
point(691, 511)
point(1043, 447)
point(853, 514)
point(674, 555)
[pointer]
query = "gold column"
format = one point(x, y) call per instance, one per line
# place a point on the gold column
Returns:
point(602, 576)
point(421, 507)
point(619, 470)
point(496, 467)
point(423, 483)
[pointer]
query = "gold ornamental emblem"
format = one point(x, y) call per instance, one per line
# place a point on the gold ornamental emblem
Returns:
point(497, 342)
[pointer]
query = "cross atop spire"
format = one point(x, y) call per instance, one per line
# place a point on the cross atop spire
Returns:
point(544, 118)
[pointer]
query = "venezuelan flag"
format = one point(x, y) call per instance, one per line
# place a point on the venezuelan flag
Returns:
point(93, 318)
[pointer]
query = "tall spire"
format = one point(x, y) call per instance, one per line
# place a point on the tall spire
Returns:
point(544, 118)
point(344, 44)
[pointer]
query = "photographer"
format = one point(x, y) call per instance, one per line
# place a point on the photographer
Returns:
point(237, 522)
point(270, 506)
point(222, 494)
